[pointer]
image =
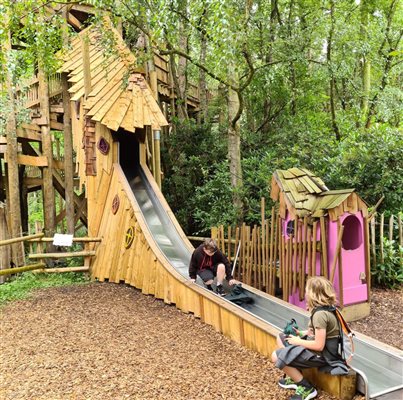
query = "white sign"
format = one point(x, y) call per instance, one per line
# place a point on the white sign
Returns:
point(62, 240)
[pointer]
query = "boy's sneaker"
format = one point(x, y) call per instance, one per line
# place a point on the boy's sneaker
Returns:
point(220, 290)
point(287, 383)
point(304, 393)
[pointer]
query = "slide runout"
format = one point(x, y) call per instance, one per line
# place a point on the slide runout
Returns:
point(256, 325)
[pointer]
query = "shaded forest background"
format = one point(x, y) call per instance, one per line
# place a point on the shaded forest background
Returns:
point(282, 83)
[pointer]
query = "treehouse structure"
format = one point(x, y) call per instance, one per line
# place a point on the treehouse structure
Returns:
point(323, 232)
point(115, 122)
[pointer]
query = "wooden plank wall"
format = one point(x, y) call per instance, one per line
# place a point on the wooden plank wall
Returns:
point(144, 267)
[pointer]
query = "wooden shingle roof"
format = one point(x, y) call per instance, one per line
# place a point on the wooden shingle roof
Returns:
point(302, 193)
point(120, 96)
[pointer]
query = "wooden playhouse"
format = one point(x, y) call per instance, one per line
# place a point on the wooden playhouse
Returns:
point(323, 232)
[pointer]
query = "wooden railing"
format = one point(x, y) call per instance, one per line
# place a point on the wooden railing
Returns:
point(36, 246)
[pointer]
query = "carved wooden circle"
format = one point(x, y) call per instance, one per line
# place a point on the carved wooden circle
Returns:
point(115, 204)
point(103, 146)
point(129, 237)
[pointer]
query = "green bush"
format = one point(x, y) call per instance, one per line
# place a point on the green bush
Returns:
point(389, 273)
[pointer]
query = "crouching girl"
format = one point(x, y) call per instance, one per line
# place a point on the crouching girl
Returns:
point(315, 348)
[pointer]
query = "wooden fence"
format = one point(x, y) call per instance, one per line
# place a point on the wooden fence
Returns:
point(265, 259)
point(380, 227)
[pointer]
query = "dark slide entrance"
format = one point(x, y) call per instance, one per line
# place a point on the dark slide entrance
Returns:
point(129, 152)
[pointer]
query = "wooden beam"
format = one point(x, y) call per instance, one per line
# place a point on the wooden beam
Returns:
point(73, 21)
point(58, 109)
point(61, 270)
point(75, 240)
point(85, 48)
point(11, 271)
point(20, 239)
point(27, 134)
point(58, 164)
point(62, 255)
point(32, 181)
point(31, 127)
point(39, 161)
point(58, 126)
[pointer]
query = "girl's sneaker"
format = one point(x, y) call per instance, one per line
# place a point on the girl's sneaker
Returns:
point(304, 393)
point(287, 383)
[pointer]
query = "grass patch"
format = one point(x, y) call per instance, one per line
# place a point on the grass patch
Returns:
point(23, 285)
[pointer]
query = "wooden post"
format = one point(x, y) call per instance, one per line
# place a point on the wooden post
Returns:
point(271, 264)
point(5, 253)
point(381, 235)
point(238, 274)
point(68, 139)
point(157, 157)
point(281, 249)
point(229, 236)
point(13, 184)
point(304, 263)
point(340, 264)
point(391, 221)
point(314, 233)
point(399, 223)
point(263, 241)
point(336, 254)
point(367, 258)
point(323, 240)
point(49, 209)
point(2, 183)
point(309, 245)
point(261, 271)
point(295, 256)
point(373, 240)
point(276, 252)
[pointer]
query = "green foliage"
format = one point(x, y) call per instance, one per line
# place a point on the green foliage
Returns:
point(389, 273)
point(23, 285)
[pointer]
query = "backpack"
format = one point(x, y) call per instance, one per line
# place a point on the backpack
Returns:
point(238, 295)
point(346, 335)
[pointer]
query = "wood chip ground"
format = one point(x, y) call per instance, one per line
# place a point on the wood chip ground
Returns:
point(108, 341)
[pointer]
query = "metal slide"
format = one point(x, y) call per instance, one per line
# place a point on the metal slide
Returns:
point(380, 370)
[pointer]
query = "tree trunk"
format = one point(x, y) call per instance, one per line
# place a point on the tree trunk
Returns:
point(49, 209)
point(388, 60)
point(68, 142)
point(234, 153)
point(202, 80)
point(332, 82)
point(366, 64)
point(267, 105)
point(180, 106)
point(13, 193)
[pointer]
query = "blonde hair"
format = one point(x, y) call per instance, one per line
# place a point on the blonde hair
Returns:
point(320, 292)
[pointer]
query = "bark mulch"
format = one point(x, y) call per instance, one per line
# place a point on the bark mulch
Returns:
point(108, 341)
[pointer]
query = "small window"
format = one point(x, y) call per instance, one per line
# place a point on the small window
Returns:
point(290, 228)
point(103, 146)
point(352, 235)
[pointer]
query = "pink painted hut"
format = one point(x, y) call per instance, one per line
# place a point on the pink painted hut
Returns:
point(322, 232)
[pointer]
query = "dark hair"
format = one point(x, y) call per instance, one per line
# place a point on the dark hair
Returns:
point(210, 245)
